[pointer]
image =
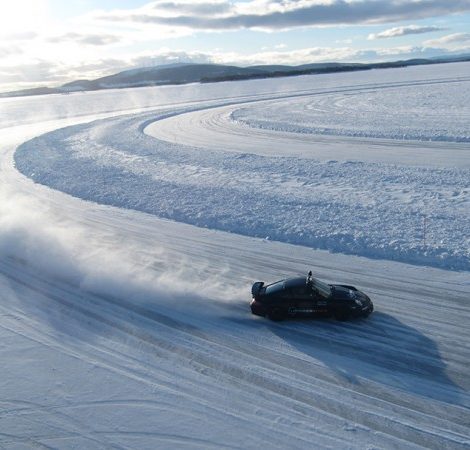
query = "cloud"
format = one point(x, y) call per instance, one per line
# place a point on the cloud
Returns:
point(85, 39)
point(167, 56)
point(22, 36)
point(452, 39)
point(284, 57)
point(292, 57)
point(32, 72)
point(211, 8)
point(403, 31)
point(7, 51)
point(281, 14)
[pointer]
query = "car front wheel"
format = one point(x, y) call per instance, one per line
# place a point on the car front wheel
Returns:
point(369, 311)
point(341, 315)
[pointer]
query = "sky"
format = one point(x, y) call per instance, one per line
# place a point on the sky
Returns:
point(51, 42)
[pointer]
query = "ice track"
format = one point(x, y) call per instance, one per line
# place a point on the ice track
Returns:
point(106, 345)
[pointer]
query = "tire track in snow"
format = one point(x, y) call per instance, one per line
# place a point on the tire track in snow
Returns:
point(197, 361)
point(372, 419)
point(215, 129)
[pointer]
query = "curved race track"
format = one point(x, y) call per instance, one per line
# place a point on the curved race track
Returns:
point(319, 125)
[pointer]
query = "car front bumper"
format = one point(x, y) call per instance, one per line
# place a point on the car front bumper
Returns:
point(366, 310)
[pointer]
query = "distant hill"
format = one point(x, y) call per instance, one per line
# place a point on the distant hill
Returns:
point(156, 76)
point(183, 73)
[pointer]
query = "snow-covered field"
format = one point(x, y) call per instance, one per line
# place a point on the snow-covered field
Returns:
point(123, 329)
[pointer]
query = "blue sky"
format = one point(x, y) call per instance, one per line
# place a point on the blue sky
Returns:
point(49, 42)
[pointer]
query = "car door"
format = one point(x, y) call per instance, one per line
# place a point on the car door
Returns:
point(303, 301)
point(320, 303)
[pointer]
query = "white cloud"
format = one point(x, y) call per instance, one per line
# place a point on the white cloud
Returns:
point(281, 56)
point(85, 39)
point(38, 71)
point(403, 31)
point(293, 57)
point(197, 7)
point(21, 36)
point(280, 14)
point(168, 56)
point(9, 50)
point(450, 41)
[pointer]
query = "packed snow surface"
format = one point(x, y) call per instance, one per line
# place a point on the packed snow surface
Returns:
point(431, 110)
point(119, 329)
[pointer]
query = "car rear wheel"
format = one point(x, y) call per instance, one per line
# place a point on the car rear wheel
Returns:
point(276, 314)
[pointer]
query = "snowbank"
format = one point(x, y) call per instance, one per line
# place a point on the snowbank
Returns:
point(410, 214)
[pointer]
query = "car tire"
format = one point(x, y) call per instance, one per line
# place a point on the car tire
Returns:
point(341, 315)
point(369, 311)
point(276, 314)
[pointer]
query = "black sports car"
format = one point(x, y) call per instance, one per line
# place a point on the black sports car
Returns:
point(308, 297)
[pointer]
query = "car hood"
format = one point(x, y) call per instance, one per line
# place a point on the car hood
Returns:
point(344, 293)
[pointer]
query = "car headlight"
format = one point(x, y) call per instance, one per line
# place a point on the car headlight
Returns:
point(358, 302)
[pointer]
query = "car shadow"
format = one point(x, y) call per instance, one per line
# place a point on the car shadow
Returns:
point(380, 348)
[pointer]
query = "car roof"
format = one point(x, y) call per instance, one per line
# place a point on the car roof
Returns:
point(294, 282)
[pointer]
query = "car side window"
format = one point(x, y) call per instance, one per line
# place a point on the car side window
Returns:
point(301, 292)
point(286, 294)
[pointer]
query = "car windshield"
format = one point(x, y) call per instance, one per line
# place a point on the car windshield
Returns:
point(323, 288)
point(275, 287)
